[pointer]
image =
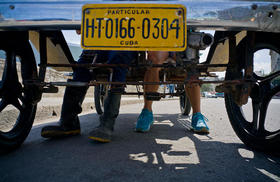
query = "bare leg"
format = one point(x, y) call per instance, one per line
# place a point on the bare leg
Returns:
point(193, 92)
point(198, 120)
point(146, 119)
point(152, 74)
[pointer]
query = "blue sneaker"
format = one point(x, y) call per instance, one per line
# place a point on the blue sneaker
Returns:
point(198, 123)
point(144, 121)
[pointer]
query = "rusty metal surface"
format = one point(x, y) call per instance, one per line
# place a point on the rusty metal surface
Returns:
point(94, 82)
point(104, 65)
point(239, 92)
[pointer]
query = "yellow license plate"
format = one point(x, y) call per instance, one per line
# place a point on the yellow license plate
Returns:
point(139, 27)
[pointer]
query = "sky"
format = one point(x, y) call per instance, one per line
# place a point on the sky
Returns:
point(260, 63)
point(72, 37)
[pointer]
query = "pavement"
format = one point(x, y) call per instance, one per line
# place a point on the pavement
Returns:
point(50, 107)
point(169, 152)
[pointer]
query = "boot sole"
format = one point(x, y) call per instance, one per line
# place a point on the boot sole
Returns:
point(53, 134)
point(99, 139)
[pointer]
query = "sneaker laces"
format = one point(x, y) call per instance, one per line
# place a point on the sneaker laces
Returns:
point(143, 112)
point(198, 114)
point(141, 116)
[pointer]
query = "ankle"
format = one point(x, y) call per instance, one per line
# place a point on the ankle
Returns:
point(194, 113)
point(148, 108)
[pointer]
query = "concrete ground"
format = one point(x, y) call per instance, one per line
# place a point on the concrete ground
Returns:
point(50, 107)
point(169, 152)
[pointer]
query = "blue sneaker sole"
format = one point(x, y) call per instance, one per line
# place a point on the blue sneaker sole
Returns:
point(141, 130)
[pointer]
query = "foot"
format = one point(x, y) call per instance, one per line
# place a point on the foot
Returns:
point(59, 131)
point(198, 123)
point(144, 121)
point(101, 134)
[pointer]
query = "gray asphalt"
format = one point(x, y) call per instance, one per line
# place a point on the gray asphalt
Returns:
point(169, 152)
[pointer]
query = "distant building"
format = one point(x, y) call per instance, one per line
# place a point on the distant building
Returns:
point(275, 61)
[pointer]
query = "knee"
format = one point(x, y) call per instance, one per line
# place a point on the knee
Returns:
point(157, 57)
point(192, 86)
point(152, 71)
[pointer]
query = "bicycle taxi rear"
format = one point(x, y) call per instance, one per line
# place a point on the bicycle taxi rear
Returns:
point(241, 29)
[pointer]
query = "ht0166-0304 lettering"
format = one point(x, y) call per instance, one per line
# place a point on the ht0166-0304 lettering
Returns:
point(126, 28)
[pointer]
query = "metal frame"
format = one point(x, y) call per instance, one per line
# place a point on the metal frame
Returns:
point(230, 15)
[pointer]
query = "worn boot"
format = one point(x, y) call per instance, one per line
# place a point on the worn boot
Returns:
point(103, 132)
point(69, 124)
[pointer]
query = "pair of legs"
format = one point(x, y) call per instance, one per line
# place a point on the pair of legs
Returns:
point(152, 75)
point(192, 91)
point(73, 97)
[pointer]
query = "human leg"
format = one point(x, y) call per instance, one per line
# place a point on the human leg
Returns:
point(198, 120)
point(104, 131)
point(193, 93)
point(172, 88)
point(146, 119)
point(69, 124)
point(152, 74)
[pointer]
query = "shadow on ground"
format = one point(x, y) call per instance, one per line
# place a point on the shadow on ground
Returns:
point(169, 152)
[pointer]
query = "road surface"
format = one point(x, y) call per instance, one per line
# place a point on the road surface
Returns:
point(169, 152)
